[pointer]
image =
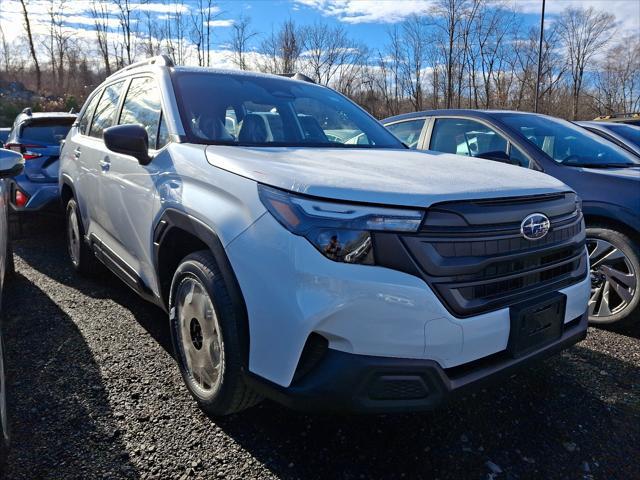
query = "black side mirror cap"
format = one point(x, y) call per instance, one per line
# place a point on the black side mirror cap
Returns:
point(11, 163)
point(129, 140)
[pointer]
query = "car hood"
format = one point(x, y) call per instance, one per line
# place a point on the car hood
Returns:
point(390, 177)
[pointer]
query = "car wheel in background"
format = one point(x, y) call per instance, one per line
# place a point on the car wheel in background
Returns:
point(206, 337)
point(615, 276)
point(4, 422)
point(81, 256)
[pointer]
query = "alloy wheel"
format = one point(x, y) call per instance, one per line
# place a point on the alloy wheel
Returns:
point(613, 279)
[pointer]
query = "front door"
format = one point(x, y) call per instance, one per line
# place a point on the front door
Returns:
point(129, 187)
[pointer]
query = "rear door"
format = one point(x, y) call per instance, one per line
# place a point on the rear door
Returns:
point(129, 188)
point(90, 154)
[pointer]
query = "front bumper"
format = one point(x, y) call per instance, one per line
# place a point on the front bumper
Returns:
point(350, 383)
point(291, 292)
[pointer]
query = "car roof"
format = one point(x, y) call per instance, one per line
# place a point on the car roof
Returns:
point(467, 112)
point(45, 115)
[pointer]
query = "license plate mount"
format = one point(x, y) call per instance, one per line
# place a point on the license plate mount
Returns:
point(536, 323)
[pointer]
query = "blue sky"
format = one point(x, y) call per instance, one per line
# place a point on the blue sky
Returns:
point(365, 20)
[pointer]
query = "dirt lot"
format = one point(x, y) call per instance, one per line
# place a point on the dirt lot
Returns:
point(94, 393)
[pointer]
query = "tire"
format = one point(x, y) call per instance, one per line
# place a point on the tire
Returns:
point(81, 256)
point(615, 277)
point(10, 265)
point(207, 337)
point(4, 419)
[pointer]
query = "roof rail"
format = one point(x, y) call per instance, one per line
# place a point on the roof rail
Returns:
point(160, 60)
point(27, 111)
point(297, 76)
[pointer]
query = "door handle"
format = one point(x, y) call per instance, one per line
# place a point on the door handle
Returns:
point(76, 153)
point(105, 165)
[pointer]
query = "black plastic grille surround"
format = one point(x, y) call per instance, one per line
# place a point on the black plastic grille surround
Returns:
point(475, 258)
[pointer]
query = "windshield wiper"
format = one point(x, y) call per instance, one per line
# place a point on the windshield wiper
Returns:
point(603, 165)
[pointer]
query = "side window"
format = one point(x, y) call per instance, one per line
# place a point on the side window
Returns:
point(467, 137)
point(518, 158)
point(88, 112)
point(142, 106)
point(106, 110)
point(163, 133)
point(408, 131)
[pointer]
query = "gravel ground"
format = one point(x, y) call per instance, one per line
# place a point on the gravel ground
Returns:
point(94, 393)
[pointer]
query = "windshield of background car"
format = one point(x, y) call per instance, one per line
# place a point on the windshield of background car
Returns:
point(237, 109)
point(46, 133)
point(566, 143)
point(627, 132)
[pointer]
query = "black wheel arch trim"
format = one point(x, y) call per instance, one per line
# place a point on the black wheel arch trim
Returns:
point(68, 182)
point(172, 218)
point(614, 214)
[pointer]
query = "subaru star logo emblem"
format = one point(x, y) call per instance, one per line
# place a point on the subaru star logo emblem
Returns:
point(535, 226)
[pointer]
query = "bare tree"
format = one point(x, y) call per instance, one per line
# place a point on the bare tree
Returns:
point(281, 50)
point(127, 19)
point(584, 33)
point(27, 25)
point(100, 15)
point(241, 34)
point(202, 14)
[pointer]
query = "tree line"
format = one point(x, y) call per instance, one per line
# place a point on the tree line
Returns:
point(459, 54)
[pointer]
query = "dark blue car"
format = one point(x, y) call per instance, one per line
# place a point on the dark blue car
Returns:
point(606, 177)
point(37, 136)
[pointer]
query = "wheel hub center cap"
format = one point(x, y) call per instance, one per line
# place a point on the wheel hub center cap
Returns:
point(196, 333)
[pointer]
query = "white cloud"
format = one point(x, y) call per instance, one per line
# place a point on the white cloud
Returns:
point(221, 23)
point(369, 11)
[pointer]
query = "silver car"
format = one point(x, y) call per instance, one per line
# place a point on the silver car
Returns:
point(11, 163)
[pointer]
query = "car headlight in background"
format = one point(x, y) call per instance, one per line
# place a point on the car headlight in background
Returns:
point(340, 231)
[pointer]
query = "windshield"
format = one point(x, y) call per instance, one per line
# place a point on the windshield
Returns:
point(566, 143)
point(46, 133)
point(238, 109)
point(627, 132)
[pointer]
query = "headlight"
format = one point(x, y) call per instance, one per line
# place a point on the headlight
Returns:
point(341, 232)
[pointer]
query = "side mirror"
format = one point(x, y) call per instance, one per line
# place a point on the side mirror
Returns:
point(128, 140)
point(11, 163)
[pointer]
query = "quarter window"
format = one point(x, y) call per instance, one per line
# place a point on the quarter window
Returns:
point(142, 106)
point(467, 137)
point(86, 115)
point(408, 131)
point(106, 110)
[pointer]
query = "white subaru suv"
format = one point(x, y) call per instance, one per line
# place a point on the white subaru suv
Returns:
point(304, 254)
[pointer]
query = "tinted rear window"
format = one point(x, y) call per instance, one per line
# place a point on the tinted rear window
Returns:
point(47, 133)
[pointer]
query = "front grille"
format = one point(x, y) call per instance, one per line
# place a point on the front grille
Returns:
point(474, 257)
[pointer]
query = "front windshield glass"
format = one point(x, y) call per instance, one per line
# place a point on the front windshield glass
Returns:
point(239, 109)
point(568, 144)
point(627, 132)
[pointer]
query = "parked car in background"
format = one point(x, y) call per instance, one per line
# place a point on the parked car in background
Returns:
point(605, 176)
point(11, 164)
point(622, 134)
point(4, 134)
point(629, 118)
point(37, 136)
point(292, 264)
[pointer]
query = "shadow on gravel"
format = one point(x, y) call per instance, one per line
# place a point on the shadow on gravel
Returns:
point(573, 416)
point(539, 424)
point(50, 258)
point(58, 407)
